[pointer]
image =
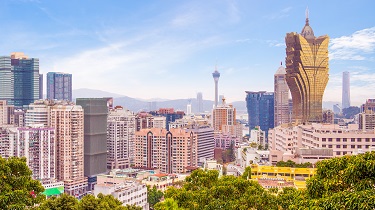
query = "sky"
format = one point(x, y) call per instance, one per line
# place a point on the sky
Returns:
point(168, 49)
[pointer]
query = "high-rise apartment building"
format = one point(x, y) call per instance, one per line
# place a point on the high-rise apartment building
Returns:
point(306, 72)
point(368, 106)
point(170, 151)
point(120, 138)
point(200, 102)
point(260, 110)
point(223, 114)
point(366, 120)
point(281, 94)
point(59, 86)
point(95, 111)
point(19, 79)
point(38, 145)
point(345, 89)
point(68, 121)
point(205, 141)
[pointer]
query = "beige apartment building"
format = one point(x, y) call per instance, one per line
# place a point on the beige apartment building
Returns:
point(288, 142)
point(67, 119)
point(170, 151)
point(120, 138)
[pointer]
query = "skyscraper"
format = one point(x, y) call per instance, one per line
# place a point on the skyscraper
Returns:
point(95, 121)
point(345, 89)
point(306, 72)
point(216, 76)
point(59, 86)
point(40, 86)
point(19, 79)
point(260, 110)
point(199, 102)
point(281, 97)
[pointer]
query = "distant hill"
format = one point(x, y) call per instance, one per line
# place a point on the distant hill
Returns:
point(136, 104)
point(91, 93)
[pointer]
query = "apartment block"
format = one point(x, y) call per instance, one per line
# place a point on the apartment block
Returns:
point(170, 151)
point(120, 138)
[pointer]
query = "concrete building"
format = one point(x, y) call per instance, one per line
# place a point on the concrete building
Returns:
point(345, 89)
point(258, 136)
point(285, 141)
point(200, 108)
point(95, 137)
point(170, 151)
point(38, 113)
point(223, 115)
point(306, 55)
point(68, 120)
point(260, 110)
point(366, 121)
point(19, 79)
point(38, 145)
point(328, 116)
point(281, 97)
point(120, 138)
point(59, 86)
point(40, 86)
point(128, 193)
point(205, 141)
point(368, 106)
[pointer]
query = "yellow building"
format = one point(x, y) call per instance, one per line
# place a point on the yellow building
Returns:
point(306, 72)
point(296, 175)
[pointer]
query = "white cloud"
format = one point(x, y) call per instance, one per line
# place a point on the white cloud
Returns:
point(353, 47)
point(280, 14)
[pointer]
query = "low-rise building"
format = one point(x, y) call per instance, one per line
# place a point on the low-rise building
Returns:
point(129, 192)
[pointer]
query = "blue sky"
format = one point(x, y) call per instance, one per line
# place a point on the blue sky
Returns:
point(169, 49)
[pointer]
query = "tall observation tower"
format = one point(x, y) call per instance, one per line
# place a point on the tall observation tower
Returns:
point(216, 76)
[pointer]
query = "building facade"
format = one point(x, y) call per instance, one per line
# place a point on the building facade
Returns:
point(120, 138)
point(366, 120)
point(170, 151)
point(200, 108)
point(306, 73)
point(19, 79)
point(281, 98)
point(260, 110)
point(59, 86)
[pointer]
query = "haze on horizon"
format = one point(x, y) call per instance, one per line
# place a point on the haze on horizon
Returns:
point(169, 49)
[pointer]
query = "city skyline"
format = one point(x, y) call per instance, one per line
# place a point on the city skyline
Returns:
point(168, 44)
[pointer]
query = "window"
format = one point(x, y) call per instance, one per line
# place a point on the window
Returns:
point(344, 146)
point(324, 139)
point(338, 153)
point(352, 139)
point(344, 139)
point(329, 139)
point(337, 139)
point(338, 146)
point(359, 146)
point(352, 146)
point(330, 146)
point(359, 140)
point(367, 139)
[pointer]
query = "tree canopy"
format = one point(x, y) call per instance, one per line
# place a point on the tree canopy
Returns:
point(340, 183)
point(293, 164)
point(17, 188)
point(153, 195)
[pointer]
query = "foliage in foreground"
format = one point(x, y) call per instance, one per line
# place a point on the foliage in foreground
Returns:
point(340, 183)
point(17, 188)
point(153, 195)
point(88, 202)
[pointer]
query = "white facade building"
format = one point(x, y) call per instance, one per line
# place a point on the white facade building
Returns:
point(129, 192)
point(120, 138)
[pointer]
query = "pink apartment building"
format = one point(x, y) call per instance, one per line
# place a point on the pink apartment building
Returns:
point(170, 151)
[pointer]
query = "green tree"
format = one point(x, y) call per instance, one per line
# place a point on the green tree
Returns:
point(153, 195)
point(204, 190)
point(63, 202)
point(168, 204)
point(247, 173)
point(17, 188)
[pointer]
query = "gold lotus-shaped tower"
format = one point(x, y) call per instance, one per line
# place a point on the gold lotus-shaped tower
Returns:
point(306, 72)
